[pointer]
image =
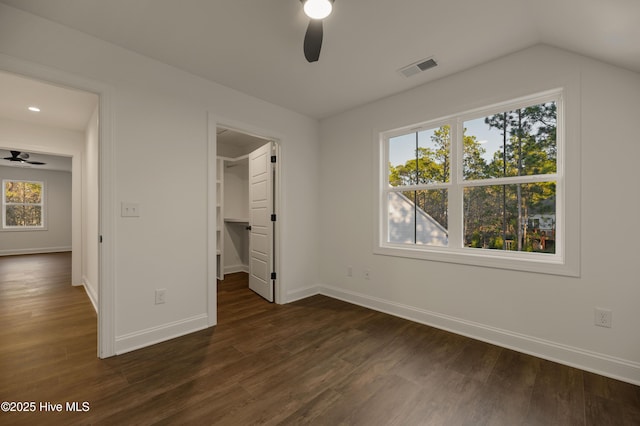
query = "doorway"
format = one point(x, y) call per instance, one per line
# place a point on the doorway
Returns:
point(246, 209)
point(67, 126)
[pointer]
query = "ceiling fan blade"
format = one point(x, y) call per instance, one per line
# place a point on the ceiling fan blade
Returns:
point(21, 157)
point(313, 40)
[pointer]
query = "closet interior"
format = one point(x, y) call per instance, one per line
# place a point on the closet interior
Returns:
point(232, 186)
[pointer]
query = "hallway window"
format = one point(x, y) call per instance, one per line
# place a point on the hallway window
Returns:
point(22, 204)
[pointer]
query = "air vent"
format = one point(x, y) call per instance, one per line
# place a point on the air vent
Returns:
point(418, 67)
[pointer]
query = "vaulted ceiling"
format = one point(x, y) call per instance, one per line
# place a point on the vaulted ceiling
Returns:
point(256, 46)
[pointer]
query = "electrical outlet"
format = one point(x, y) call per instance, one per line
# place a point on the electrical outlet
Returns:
point(161, 294)
point(367, 274)
point(349, 271)
point(603, 317)
point(129, 210)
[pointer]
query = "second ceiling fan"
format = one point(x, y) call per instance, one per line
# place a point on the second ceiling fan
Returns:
point(22, 157)
point(316, 10)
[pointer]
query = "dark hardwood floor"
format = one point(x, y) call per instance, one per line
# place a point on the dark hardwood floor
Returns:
point(317, 361)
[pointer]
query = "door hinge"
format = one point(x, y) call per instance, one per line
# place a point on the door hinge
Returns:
point(273, 218)
point(273, 275)
point(273, 158)
point(99, 238)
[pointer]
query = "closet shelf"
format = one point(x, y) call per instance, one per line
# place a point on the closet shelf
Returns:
point(236, 220)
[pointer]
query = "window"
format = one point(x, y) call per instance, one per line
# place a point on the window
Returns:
point(22, 204)
point(483, 187)
point(418, 187)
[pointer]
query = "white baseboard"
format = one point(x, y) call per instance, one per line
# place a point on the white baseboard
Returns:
point(150, 336)
point(236, 268)
point(302, 293)
point(91, 292)
point(605, 365)
point(15, 252)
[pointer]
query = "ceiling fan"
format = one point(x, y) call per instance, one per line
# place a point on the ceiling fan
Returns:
point(316, 10)
point(22, 157)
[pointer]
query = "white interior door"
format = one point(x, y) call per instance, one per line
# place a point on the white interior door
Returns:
point(260, 211)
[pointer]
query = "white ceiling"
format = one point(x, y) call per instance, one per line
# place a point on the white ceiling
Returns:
point(232, 143)
point(59, 106)
point(256, 46)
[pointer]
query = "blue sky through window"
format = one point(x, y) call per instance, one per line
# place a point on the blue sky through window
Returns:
point(402, 148)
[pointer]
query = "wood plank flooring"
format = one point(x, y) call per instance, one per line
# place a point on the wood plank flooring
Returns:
point(317, 361)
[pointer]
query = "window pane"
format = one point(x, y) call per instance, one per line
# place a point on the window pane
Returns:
point(519, 217)
point(521, 142)
point(32, 192)
point(23, 215)
point(418, 217)
point(420, 158)
point(434, 146)
point(23, 192)
point(402, 160)
point(32, 215)
point(14, 216)
point(14, 191)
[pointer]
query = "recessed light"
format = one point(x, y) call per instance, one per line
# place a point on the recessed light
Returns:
point(34, 109)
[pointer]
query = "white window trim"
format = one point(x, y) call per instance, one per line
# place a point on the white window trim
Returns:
point(43, 204)
point(566, 260)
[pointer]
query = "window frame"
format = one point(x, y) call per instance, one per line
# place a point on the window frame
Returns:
point(42, 204)
point(565, 260)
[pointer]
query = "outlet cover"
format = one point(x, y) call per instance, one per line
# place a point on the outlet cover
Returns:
point(603, 317)
point(161, 294)
point(130, 210)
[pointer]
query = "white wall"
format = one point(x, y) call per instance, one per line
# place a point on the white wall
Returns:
point(548, 315)
point(236, 206)
point(57, 235)
point(236, 189)
point(160, 113)
point(90, 203)
point(236, 248)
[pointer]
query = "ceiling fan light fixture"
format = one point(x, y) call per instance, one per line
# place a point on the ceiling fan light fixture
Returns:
point(317, 9)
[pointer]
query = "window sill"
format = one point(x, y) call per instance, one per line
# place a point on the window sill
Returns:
point(516, 261)
point(24, 229)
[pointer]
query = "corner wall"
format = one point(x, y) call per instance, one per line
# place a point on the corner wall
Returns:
point(545, 315)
